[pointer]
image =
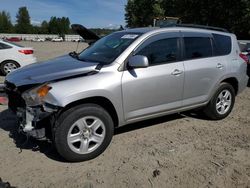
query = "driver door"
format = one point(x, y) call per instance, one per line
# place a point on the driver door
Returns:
point(158, 88)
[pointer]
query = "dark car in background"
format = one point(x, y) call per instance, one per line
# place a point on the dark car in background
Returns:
point(245, 49)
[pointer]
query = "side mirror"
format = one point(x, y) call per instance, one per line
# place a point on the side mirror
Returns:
point(138, 61)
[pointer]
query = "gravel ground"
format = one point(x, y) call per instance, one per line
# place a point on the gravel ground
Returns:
point(181, 150)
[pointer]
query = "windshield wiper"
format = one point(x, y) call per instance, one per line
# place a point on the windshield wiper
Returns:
point(92, 61)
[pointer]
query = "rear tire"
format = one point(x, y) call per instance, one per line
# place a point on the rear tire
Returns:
point(83, 132)
point(222, 102)
point(8, 66)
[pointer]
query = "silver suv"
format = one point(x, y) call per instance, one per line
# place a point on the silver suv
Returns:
point(128, 76)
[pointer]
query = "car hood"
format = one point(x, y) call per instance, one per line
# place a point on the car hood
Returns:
point(85, 33)
point(63, 67)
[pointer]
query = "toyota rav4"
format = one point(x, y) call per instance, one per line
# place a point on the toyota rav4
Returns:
point(128, 76)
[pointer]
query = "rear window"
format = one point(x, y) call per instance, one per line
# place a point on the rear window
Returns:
point(197, 47)
point(4, 46)
point(14, 44)
point(223, 44)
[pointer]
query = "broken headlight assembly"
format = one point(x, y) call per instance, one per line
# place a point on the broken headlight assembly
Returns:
point(35, 96)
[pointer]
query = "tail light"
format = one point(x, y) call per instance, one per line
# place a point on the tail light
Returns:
point(26, 52)
point(244, 57)
point(3, 100)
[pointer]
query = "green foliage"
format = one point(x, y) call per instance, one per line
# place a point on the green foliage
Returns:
point(44, 28)
point(59, 26)
point(23, 21)
point(158, 10)
point(5, 22)
point(140, 13)
point(233, 15)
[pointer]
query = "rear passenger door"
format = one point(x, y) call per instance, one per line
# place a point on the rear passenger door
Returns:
point(203, 67)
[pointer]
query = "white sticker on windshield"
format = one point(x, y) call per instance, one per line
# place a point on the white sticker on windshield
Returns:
point(129, 36)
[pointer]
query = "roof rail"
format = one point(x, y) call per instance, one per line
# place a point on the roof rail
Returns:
point(198, 26)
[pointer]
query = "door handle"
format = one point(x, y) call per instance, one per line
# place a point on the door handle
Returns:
point(176, 72)
point(219, 66)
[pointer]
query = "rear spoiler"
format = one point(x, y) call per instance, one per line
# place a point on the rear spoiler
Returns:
point(89, 36)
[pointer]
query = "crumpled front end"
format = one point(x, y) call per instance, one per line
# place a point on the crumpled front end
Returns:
point(31, 120)
point(28, 88)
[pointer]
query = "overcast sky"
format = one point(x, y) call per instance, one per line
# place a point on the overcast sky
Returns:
point(91, 13)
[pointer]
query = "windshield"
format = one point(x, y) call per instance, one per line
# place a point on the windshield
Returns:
point(108, 48)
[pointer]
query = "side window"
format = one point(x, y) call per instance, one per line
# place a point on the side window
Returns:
point(4, 46)
point(197, 47)
point(161, 51)
point(223, 44)
point(1, 46)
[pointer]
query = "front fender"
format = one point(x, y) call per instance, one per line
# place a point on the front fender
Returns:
point(104, 85)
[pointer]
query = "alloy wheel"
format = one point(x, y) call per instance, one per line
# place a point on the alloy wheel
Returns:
point(223, 102)
point(86, 135)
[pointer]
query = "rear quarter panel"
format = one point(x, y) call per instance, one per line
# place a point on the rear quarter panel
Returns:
point(238, 67)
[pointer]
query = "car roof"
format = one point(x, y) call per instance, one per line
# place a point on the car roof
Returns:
point(141, 30)
point(145, 30)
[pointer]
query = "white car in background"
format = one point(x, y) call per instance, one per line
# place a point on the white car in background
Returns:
point(38, 39)
point(60, 39)
point(78, 40)
point(13, 56)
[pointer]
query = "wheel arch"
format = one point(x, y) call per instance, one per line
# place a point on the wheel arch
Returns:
point(232, 81)
point(101, 101)
point(10, 60)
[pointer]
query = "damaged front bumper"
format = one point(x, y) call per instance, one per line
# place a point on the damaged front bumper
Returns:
point(31, 119)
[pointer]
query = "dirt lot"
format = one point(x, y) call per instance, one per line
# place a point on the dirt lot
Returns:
point(181, 150)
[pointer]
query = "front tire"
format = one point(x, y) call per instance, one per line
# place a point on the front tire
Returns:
point(222, 102)
point(83, 132)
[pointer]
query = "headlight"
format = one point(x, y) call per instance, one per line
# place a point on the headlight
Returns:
point(36, 95)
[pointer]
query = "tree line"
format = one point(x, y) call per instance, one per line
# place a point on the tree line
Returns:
point(233, 15)
point(55, 25)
